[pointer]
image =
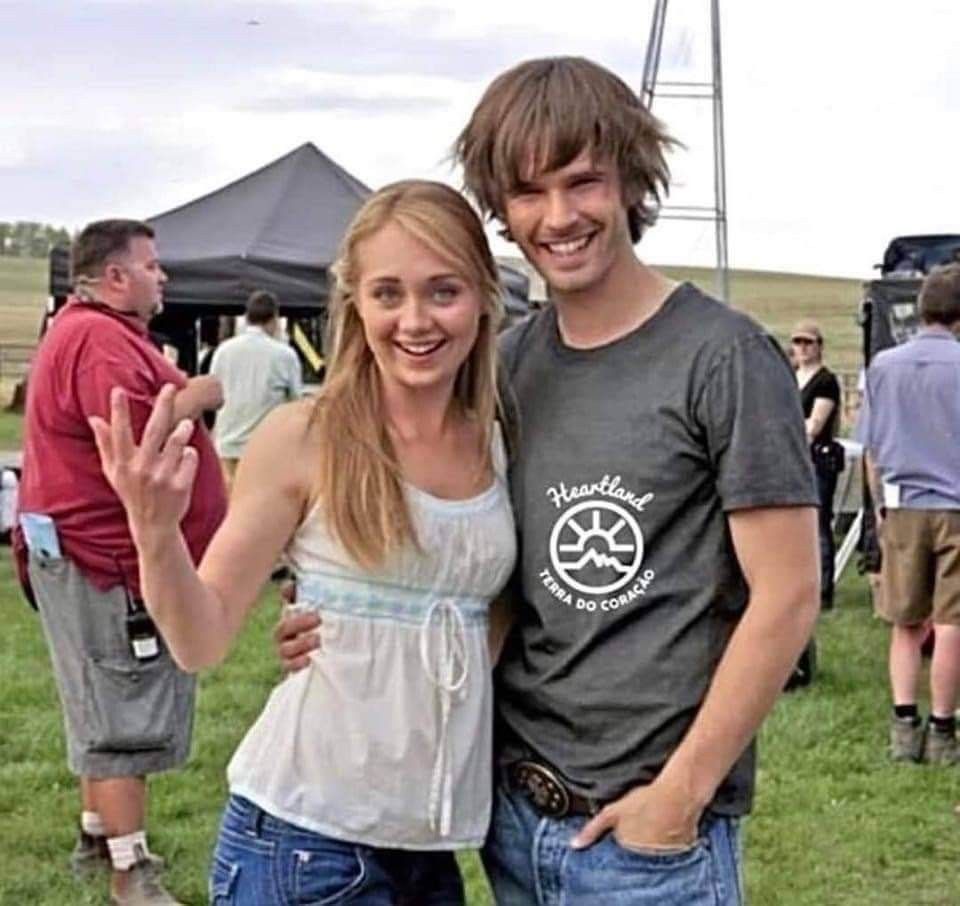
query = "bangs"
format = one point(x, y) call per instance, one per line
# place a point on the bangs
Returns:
point(541, 115)
point(546, 128)
point(449, 237)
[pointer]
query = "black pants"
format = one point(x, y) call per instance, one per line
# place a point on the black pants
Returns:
point(826, 487)
point(806, 668)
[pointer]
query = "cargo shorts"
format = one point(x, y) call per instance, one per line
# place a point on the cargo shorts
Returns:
point(123, 717)
point(920, 576)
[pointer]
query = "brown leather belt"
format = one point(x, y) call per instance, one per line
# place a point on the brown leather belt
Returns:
point(547, 793)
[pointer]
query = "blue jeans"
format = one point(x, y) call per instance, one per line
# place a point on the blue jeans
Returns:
point(260, 860)
point(530, 863)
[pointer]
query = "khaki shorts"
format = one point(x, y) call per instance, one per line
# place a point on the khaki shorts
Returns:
point(920, 576)
point(123, 717)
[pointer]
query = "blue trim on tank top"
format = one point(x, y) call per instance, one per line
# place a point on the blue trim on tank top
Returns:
point(380, 600)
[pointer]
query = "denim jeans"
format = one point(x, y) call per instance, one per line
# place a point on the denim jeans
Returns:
point(260, 860)
point(530, 863)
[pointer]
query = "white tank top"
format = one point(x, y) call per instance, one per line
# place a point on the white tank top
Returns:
point(386, 738)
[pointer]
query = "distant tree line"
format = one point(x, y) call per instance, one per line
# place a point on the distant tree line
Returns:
point(26, 239)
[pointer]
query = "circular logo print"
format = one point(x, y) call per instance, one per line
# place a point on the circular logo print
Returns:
point(596, 547)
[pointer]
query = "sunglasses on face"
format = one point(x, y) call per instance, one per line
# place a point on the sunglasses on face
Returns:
point(803, 341)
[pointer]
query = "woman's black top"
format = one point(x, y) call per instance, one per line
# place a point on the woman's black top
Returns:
point(823, 385)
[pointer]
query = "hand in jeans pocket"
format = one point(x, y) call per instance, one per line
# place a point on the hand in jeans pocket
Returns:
point(655, 817)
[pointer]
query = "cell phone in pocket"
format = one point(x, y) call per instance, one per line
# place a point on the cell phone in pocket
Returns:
point(40, 535)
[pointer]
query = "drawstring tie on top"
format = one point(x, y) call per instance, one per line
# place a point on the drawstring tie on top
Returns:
point(446, 665)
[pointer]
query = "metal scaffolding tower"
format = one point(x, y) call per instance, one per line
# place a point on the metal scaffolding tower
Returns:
point(711, 91)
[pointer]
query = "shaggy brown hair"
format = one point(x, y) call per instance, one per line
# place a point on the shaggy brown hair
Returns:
point(543, 114)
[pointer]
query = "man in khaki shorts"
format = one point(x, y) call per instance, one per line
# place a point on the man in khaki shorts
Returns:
point(911, 431)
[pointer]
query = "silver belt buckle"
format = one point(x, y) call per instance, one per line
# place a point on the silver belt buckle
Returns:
point(544, 789)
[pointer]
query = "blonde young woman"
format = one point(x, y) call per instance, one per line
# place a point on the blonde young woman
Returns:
point(364, 772)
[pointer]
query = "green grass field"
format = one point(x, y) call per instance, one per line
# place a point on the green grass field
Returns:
point(777, 300)
point(11, 428)
point(835, 823)
point(23, 298)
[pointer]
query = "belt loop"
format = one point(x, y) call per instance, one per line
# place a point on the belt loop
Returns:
point(254, 820)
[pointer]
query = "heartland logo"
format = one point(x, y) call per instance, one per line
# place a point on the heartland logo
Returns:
point(599, 534)
point(596, 546)
point(599, 560)
point(607, 486)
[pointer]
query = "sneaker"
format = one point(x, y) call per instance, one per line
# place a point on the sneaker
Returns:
point(141, 885)
point(906, 738)
point(90, 856)
point(941, 748)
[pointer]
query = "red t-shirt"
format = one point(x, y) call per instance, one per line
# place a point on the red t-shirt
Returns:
point(88, 350)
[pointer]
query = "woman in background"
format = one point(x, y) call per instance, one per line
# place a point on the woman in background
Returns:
point(820, 397)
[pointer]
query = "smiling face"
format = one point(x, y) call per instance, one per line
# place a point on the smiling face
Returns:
point(571, 224)
point(420, 315)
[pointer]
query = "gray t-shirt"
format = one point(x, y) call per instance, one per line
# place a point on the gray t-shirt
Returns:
point(626, 459)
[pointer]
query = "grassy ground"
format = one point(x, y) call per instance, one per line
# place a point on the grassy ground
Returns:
point(11, 424)
point(777, 300)
point(23, 296)
point(835, 824)
point(11, 429)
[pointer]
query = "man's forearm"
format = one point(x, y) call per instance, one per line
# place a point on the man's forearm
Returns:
point(749, 678)
point(202, 393)
point(874, 482)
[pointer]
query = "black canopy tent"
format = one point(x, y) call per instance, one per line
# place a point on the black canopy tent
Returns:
point(277, 228)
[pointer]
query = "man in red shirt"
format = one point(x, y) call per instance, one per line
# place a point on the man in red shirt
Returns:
point(128, 709)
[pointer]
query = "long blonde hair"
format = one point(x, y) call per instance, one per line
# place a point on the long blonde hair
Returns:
point(359, 480)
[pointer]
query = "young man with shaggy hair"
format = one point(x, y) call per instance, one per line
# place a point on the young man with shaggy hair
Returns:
point(666, 511)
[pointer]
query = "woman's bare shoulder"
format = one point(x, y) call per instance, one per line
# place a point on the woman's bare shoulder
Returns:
point(284, 442)
point(290, 422)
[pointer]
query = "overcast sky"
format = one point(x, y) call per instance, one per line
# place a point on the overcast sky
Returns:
point(842, 116)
